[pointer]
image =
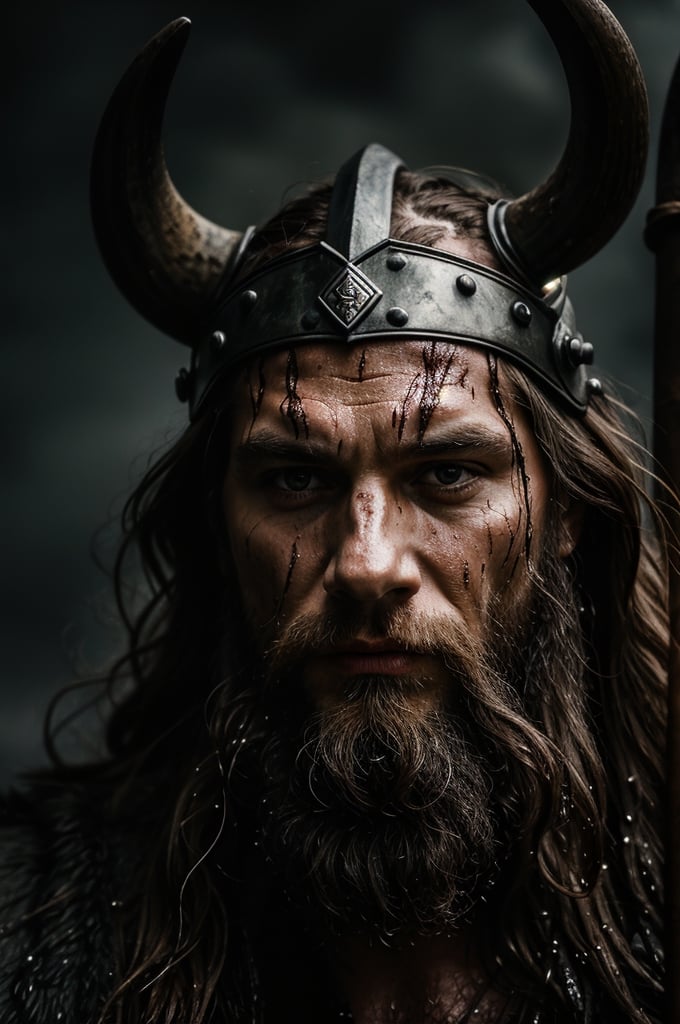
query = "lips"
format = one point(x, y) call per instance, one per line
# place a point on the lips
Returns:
point(365, 657)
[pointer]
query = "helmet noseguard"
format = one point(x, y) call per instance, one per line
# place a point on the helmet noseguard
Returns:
point(360, 285)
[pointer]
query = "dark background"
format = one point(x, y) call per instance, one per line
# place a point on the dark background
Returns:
point(265, 98)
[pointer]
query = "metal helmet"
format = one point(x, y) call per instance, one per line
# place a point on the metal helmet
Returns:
point(180, 270)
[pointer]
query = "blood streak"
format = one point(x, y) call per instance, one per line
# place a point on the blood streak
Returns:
point(437, 361)
point(256, 398)
point(518, 460)
point(294, 555)
point(291, 406)
point(406, 405)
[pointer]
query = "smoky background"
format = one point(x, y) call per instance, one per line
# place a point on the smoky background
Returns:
point(266, 98)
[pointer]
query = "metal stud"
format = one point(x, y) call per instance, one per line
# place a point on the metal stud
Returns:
point(580, 351)
point(310, 319)
point(396, 261)
point(397, 316)
point(183, 385)
point(522, 313)
point(594, 386)
point(218, 341)
point(248, 299)
point(466, 285)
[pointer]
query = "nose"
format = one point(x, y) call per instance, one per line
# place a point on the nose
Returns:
point(373, 556)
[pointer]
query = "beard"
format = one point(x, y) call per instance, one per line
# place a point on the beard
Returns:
point(389, 813)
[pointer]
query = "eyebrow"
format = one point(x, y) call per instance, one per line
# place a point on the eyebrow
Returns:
point(455, 438)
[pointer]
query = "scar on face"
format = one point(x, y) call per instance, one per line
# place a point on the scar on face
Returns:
point(291, 406)
point(489, 533)
point(511, 537)
point(256, 395)
point(438, 359)
point(511, 531)
point(364, 500)
point(518, 460)
point(294, 556)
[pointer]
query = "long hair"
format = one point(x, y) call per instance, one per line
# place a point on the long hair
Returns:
point(175, 737)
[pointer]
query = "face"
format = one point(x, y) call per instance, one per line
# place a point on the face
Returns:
point(369, 486)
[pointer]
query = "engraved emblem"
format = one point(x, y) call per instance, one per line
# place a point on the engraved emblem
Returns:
point(350, 296)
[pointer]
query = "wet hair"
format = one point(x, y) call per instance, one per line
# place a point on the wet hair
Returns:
point(167, 734)
point(427, 208)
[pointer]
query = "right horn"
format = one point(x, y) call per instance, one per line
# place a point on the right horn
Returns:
point(571, 216)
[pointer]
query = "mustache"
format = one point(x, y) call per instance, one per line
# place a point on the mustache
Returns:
point(416, 632)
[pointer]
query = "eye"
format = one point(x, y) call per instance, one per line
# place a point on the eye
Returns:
point(447, 475)
point(296, 479)
point(450, 475)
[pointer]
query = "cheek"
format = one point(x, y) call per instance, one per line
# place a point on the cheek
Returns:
point(275, 567)
point(481, 554)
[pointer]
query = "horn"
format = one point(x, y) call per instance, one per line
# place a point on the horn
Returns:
point(165, 257)
point(571, 216)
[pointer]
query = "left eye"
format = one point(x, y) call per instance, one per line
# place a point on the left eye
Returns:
point(296, 479)
point(446, 475)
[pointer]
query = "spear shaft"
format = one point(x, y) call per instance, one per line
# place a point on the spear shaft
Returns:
point(663, 237)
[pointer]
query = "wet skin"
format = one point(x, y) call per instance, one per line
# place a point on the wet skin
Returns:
point(341, 494)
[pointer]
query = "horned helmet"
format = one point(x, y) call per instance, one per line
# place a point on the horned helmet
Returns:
point(359, 285)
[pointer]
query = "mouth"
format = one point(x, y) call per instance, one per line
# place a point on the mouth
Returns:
point(372, 657)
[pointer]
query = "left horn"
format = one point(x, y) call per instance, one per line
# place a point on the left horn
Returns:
point(571, 216)
point(165, 257)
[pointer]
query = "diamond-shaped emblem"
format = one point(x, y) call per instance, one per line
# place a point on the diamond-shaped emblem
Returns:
point(350, 296)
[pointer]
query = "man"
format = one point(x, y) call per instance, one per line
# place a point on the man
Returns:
point(390, 747)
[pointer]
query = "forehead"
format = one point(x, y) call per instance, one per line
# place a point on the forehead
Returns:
point(413, 381)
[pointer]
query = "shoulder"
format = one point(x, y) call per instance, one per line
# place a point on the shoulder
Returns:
point(61, 870)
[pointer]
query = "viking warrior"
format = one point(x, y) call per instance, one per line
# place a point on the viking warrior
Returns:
point(386, 742)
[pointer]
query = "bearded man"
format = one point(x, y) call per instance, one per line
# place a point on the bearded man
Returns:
point(392, 748)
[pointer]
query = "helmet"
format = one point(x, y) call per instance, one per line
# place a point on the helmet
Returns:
point(184, 273)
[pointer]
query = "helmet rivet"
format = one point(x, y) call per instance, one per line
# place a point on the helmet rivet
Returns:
point(218, 341)
point(522, 313)
point(183, 385)
point(580, 351)
point(594, 386)
point(248, 299)
point(466, 285)
point(397, 316)
point(396, 261)
point(310, 319)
